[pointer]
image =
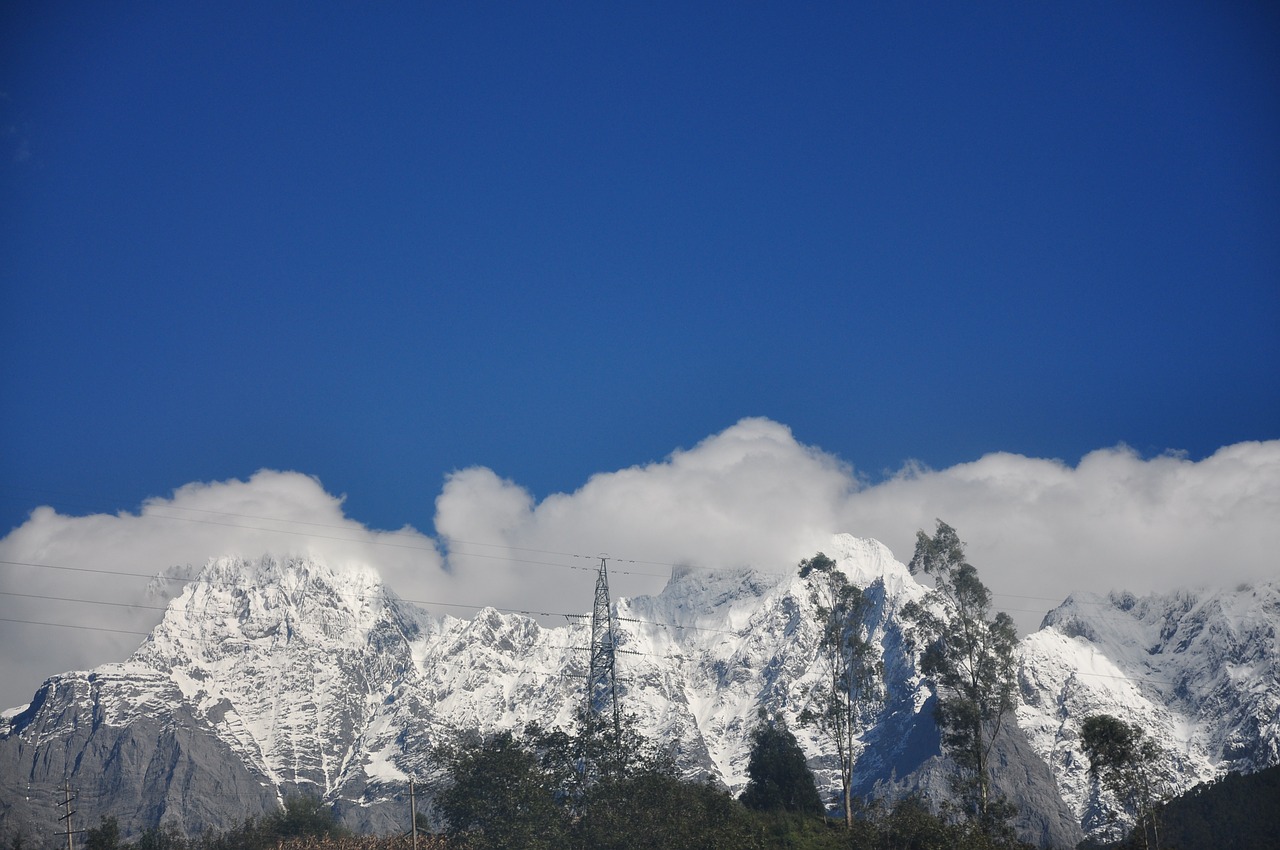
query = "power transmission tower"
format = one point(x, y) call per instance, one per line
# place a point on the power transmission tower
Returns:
point(602, 685)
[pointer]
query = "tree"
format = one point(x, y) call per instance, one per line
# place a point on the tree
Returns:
point(600, 750)
point(501, 796)
point(1245, 807)
point(778, 776)
point(303, 815)
point(970, 658)
point(104, 836)
point(1121, 758)
point(604, 787)
point(164, 837)
point(854, 674)
point(655, 811)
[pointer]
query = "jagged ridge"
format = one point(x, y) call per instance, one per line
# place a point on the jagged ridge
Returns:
point(301, 676)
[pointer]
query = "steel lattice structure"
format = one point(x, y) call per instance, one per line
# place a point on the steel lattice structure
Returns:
point(602, 685)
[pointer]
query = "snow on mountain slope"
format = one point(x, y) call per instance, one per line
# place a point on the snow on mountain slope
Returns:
point(286, 660)
point(749, 640)
point(1198, 671)
point(323, 679)
point(286, 674)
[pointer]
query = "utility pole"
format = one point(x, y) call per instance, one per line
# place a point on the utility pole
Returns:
point(602, 685)
point(68, 796)
point(413, 813)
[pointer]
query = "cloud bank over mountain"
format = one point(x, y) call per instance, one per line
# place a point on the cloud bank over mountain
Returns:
point(752, 495)
point(110, 560)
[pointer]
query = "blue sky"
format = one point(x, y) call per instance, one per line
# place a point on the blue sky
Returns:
point(379, 244)
point(728, 278)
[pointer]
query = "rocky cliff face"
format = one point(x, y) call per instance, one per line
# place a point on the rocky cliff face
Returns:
point(131, 746)
point(272, 676)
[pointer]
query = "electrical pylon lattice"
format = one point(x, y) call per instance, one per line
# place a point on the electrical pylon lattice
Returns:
point(602, 685)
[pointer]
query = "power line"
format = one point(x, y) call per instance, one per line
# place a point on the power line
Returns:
point(362, 527)
point(145, 513)
point(73, 626)
point(444, 537)
point(160, 577)
point(83, 601)
point(151, 576)
point(426, 602)
point(562, 673)
point(192, 633)
point(153, 513)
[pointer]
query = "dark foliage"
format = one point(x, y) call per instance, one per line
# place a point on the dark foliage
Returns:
point(1121, 759)
point(969, 655)
point(647, 811)
point(911, 826)
point(599, 751)
point(302, 818)
point(168, 838)
point(1240, 811)
point(531, 792)
point(502, 797)
point(653, 811)
point(302, 815)
point(779, 777)
point(1245, 808)
point(104, 836)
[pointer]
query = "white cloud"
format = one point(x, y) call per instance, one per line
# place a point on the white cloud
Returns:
point(1041, 528)
point(750, 495)
point(279, 512)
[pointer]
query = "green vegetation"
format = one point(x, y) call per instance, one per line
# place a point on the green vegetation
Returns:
point(1121, 759)
point(105, 836)
point(854, 674)
point(778, 777)
point(1243, 811)
point(605, 787)
point(602, 786)
point(1240, 811)
point(502, 796)
point(598, 752)
point(507, 793)
point(664, 813)
point(653, 810)
point(302, 818)
point(970, 657)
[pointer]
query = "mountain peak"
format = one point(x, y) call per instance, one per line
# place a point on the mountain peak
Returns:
point(306, 676)
point(238, 604)
point(1198, 670)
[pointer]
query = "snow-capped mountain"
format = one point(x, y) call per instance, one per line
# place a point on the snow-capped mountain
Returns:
point(1199, 672)
point(274, 675)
